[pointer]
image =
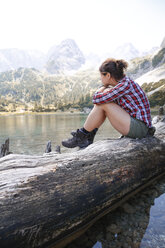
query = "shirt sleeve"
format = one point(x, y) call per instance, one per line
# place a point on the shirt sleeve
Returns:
point(118, 91)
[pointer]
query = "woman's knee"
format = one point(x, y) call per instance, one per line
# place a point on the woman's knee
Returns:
point(105, 105)
point(111, 106)
point(99, 107)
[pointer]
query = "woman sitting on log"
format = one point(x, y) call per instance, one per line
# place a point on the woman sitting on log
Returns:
point(121, 100)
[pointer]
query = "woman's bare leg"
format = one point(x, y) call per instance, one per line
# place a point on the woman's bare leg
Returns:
point(95, 119)
point(117, 116)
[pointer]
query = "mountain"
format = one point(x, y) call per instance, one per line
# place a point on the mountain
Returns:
point(32, 89)
point(149, 67)
point(64, 57)
point(60, 59)
point(126, 51)
point(163, 43)
point(92, 60)
point(14, 58)
point(142, 65)
point(67, 57)
point(149, 51)
point(152, 76)
point(149, 72)
point(29, 87)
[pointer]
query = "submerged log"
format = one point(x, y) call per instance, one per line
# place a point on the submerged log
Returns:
point(46, 201)
point(48, 147)
point(4, 148)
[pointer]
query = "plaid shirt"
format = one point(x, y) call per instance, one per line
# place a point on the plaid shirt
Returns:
point(130, 96)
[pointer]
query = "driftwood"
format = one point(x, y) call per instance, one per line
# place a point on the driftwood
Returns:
point(4, 148)
point(46, 201)
point(49, 148)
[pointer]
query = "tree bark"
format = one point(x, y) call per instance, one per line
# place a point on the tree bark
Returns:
point(45, 201)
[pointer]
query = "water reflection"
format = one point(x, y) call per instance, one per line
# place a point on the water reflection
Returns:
point(29, 133)
point(155, 232)
point(97, 245)
point(138, 223)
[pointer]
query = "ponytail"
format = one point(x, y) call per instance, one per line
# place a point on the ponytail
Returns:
point(115, 67)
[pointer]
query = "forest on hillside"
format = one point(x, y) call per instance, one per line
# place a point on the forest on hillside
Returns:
point(30, 90)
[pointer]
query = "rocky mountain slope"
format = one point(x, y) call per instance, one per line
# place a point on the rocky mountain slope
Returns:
point(153, 75)
point(142, 65)
point(126, 51)
point(149, 72)
point(64, 57)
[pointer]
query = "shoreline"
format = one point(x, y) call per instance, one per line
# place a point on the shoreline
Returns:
point(153, 111)
point(39, 113)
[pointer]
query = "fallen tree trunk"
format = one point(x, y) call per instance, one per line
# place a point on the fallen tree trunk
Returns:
point(45, 201)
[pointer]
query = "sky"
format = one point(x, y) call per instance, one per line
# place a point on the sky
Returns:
point(97, 26)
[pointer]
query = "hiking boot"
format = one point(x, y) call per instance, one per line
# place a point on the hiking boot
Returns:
point(79, 139)
point(90, 135)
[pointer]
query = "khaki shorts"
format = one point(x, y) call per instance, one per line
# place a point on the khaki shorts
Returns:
point(138, 129)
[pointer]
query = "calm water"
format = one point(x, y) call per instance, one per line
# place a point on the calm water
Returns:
point(144, 227)
point(29, 134)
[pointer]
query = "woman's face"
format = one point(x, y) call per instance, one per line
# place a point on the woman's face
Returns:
point(105, 78)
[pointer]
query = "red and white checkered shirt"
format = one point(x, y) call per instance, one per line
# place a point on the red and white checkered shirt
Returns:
point(130, 96)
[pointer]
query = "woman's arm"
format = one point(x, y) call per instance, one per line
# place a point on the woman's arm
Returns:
point(111, 94)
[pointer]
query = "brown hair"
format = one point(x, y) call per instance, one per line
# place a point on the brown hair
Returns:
point(114, 67)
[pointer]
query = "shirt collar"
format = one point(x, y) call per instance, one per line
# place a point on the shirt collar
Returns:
point(125, 78)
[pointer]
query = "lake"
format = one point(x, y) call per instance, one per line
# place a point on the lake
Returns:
point(140, 222)
point(29, 134)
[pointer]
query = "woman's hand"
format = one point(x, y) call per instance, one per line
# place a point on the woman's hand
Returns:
point(107, 89)
point(104, 89)
point(101, 89)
